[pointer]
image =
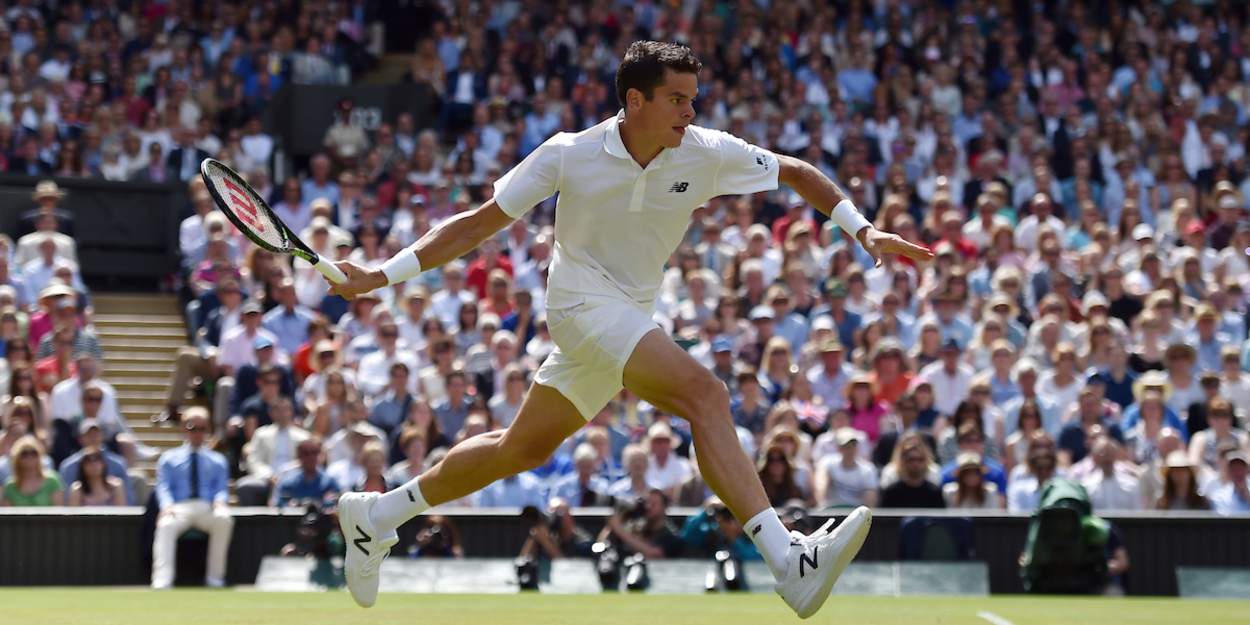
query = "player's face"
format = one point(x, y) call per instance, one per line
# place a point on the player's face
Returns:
point(664, 117)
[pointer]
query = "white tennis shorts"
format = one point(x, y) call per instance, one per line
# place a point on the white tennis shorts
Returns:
point(593, 340)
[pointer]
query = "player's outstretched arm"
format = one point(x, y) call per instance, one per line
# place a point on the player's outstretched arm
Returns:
point(446, 242)
point(828, 198)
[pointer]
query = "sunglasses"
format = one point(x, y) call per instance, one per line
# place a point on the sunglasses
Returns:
point(913, 459)
point(93, 459)
point(309, 452)
point(93, 398)
point(28, 452)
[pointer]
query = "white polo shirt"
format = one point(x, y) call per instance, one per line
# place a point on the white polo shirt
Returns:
point(618, 223)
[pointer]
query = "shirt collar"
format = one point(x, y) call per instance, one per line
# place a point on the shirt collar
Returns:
point(612, 138)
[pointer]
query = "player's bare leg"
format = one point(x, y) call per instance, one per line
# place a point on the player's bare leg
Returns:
point(369, 520)
point(806, 567)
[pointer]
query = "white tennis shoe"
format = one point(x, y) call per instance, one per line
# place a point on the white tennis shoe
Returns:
point(365, 549)
point(816, 561)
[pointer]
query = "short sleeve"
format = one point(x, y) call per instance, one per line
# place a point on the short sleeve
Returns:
point(744, 168)
point(533, 180)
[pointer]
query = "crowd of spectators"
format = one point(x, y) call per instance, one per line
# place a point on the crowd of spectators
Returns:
point(1080, 173)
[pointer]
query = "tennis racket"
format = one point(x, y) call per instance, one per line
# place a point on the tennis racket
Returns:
point(253, 217)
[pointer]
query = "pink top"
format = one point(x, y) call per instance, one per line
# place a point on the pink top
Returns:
point(868, 421)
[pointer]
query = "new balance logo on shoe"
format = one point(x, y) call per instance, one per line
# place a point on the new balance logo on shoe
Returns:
point(679, 187)
point(803, 559)
point(756, 530)
point(364, 538)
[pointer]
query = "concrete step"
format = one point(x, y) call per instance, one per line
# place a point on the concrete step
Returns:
point(136, 305)
point(139, 357)
point(142, 344)
point(153, 369)
point(127, 333)
point(142, 385)
point(139, 320)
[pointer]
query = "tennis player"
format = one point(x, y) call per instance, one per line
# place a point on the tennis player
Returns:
point(627, 189)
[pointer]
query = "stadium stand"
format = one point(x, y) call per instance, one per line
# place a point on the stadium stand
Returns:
point(1080, 171)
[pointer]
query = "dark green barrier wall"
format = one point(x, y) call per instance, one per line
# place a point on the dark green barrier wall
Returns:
point(39, 548)
point(127, 232)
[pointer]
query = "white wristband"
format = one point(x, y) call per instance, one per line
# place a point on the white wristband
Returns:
point(848, 218)
point(401, 267)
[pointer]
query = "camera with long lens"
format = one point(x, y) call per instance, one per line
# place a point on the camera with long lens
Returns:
point(534, 517)
point(630, 508)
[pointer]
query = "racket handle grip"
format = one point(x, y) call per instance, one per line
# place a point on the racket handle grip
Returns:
point(332, 273)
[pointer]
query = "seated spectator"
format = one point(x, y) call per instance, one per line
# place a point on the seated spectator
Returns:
point(453, 408)
point(971, 440)
point(1202, 449)
point(326, 408)
point(634, 484)
point(1025, 372)
point(390, 409)
point(655, 538)
point(750, 407)
point(518, 491)
point(604, 439)
point(1233, 498)
point(93, 486)
point(192, 491)
point(1111, 485)
point(374, 373)
point(90, 435)
point(1142, 440)
point(868, 415)
point(289, 319)
point(31, 483)
point(345, 444)
point(506, 402)
point(845, 479)
point(1073, 438)
point(913, 489)
point(246, 378)
point(950, 376)
point(776, 473)
point(907, 409)
point(20, 420)
point(584, 487)
point(52, 370)
point(412, 443)
point(1016, 447)
point(309, 483)
point(1027, 482)
point(272, 448)
point(1180, 485)
point(373, 459)
point(970, 489)
point(948, 440)
point(665, 468)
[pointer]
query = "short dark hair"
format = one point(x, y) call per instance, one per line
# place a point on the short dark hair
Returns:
point(644, 64)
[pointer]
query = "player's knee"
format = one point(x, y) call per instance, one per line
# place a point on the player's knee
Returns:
point(706, 400)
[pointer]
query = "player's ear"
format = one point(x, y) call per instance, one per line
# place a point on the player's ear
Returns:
point(633, 98)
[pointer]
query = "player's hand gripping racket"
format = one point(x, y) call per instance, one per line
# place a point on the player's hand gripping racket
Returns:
point(253, 217)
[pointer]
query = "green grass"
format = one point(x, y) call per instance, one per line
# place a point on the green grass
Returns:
point(82, 606)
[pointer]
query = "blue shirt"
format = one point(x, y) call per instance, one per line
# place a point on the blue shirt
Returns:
point(518, 491)
point(570, 487)
point(1171, 419)
point(115, 467)
point(1119, 392)
point(793, 328)
point(313, 192)
point(1226, 501)
point(993, 473)
point(296, 487)
point(1052, 414)
point(1072, 438)
point(452, 417)
point(173, 476)
point(1209, 351)
point(291, 328)
point(858, 83)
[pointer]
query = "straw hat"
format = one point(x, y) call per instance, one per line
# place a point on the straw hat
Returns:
point(660, 429)
point(858, 379)
point(1176, 460)
point(47, 188)
point(1152, 379)
point(769, 449)
point(968, 460)
point(323, 346)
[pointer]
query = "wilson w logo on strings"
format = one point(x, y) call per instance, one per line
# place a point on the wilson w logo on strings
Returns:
point(243, 205)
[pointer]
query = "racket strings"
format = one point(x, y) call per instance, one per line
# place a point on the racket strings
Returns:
point(249, 211)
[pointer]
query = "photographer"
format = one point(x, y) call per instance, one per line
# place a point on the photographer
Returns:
point(555, 534)
point(714, 529)
point(643, 528)
point(438, 539)
point(582, 487)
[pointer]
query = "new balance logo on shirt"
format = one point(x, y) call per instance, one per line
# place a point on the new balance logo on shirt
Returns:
point(679, 187)
point(756, 530)
point(759, 160)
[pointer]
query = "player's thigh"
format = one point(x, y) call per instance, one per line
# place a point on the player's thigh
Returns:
point(666, 376)
point(546, 418)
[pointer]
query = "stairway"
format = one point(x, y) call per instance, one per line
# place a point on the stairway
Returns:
point(140, 335)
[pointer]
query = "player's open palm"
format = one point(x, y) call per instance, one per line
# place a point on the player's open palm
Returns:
point(879, 243)
point(359, 280)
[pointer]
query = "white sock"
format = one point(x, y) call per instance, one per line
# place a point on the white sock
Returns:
point(771, 538)
point(394, 508)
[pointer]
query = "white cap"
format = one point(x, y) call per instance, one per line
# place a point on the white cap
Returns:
point(1143, 231)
